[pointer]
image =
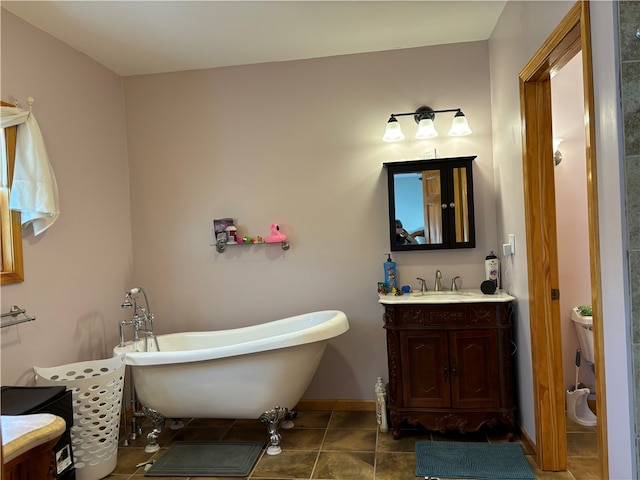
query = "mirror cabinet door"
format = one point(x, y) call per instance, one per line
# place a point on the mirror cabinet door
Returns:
point(461, 205)
point(431, 204)
point(432, 200)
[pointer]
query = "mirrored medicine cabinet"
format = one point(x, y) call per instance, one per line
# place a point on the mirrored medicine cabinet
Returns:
point(431, 204)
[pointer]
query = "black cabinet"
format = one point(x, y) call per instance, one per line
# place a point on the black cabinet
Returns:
point(433, 199)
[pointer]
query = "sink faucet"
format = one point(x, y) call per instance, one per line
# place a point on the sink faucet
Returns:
point(423, 284)
point(454, 285)
point(438, 285)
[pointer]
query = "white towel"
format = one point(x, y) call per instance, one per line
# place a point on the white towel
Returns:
point(34, 191)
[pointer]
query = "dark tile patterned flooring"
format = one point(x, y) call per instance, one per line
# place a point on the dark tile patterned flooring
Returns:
point(339, 445)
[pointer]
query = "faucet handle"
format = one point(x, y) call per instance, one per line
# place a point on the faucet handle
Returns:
point(454, 285)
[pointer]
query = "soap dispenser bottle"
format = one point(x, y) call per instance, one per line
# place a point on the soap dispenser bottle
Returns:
point(390, 278)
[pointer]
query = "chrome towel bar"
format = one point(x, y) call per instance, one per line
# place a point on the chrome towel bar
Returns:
point(14, 313)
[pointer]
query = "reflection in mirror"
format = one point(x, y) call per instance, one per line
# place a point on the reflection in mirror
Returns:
point(431, 204)
point(433, 210)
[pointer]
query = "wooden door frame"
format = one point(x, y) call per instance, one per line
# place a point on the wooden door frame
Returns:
point(570, 37)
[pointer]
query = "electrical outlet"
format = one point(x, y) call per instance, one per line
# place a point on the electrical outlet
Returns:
point(506, 249)
point(512, 243)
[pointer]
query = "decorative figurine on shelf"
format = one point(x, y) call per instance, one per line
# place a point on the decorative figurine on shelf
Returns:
point(276, 236)
point(259, 239)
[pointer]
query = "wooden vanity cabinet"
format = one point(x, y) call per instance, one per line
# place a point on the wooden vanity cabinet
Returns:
point(35, 464)
point(450, 366)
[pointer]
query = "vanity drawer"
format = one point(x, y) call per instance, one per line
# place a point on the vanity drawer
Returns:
point(448, 315)
point(426, 316)
point(453, 315)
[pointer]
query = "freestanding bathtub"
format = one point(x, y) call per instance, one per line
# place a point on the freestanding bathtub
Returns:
point(260, 371)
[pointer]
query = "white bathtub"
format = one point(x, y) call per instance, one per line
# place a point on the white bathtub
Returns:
point(237, 373)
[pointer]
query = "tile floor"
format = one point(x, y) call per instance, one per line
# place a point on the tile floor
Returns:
point(340, 445)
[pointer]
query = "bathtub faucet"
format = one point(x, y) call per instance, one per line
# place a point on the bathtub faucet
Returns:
point(142, 321)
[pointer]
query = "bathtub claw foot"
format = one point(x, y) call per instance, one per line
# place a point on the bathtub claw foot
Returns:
point(272, 420)
point(177, 424)
point(288, 420)
point(158, 422)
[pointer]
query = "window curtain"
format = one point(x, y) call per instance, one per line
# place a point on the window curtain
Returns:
point(34, 191)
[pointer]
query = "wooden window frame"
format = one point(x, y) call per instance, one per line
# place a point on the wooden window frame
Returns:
point(10, 223)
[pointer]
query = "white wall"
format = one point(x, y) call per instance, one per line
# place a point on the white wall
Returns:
point(298, 143)
point(75, 272)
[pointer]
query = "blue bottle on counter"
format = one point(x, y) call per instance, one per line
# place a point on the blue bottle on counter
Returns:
point(390, 278)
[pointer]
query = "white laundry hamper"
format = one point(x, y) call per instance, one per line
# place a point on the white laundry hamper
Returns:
point(96, 389)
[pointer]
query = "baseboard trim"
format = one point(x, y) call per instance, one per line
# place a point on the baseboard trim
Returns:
point(527, 442)
point(339, 405)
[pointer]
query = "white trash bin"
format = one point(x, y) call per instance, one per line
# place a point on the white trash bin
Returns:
point(96, 389)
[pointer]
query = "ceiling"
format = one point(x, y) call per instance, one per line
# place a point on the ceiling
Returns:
point(143, 37)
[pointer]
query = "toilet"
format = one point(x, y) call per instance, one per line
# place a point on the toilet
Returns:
point(577, 408)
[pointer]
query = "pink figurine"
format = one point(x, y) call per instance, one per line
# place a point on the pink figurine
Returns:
point(276, 236)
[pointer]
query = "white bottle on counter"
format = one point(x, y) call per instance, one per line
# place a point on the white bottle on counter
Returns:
point(492, 268)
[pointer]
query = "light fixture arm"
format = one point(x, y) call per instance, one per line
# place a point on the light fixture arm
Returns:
point(424, 117)
point(425, 112)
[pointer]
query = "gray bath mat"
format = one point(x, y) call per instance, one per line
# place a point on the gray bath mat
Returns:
point(207, 459)
point(491, 461)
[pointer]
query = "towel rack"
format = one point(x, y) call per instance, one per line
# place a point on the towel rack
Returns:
point(15, 312)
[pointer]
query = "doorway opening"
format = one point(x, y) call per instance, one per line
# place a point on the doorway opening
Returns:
point(571, 37)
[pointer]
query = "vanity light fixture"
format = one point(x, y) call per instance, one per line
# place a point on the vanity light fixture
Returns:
point(424, 117)
point(557, 154)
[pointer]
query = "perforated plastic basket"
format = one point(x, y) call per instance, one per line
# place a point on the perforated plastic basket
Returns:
point(96, 388)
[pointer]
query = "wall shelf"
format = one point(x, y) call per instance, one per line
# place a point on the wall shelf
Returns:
point(221, 246)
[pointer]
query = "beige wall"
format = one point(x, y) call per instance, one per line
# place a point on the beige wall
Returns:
point(298, 143)
point(76, 272)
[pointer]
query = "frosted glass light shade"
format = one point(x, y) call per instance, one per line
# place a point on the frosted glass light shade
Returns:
point(426, 129)
point(459, 126)
point(393, 133)
point(556, 143)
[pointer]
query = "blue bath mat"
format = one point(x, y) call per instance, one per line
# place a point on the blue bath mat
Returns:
point(207, 459)
point(491, 461)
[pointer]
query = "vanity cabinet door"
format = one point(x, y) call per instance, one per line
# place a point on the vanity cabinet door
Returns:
point(455, 369)
point(474, 368)
point(425, 369)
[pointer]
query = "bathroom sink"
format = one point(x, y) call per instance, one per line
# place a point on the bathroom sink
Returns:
point(447, 296)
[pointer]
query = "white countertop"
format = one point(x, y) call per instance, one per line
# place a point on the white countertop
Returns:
point(21, 433)
point(444, 297)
